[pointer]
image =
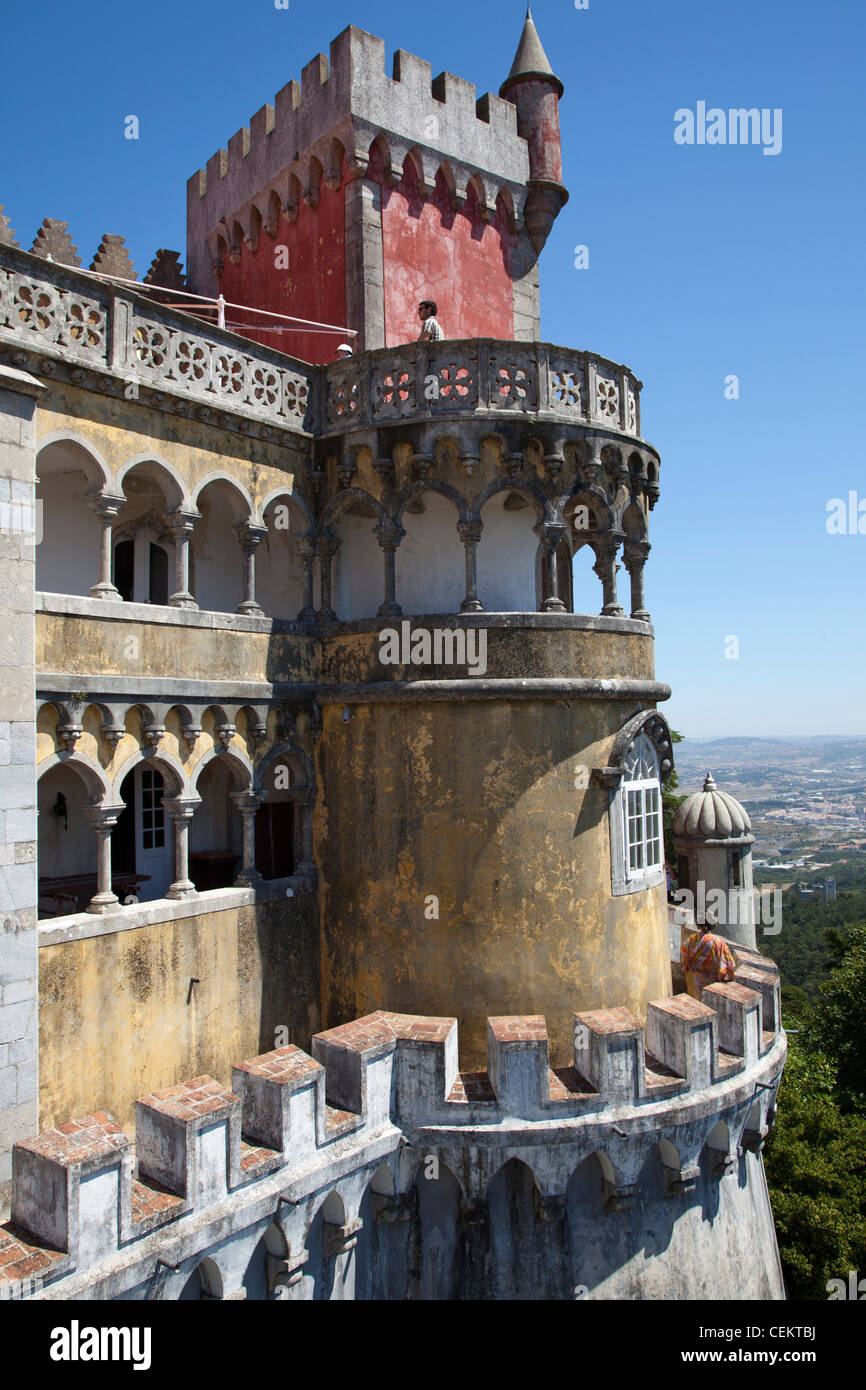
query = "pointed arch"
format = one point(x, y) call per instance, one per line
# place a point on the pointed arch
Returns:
point(92, 774)
point(173, 485)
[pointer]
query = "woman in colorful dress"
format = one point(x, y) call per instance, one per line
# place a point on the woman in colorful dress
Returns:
point(706, 958)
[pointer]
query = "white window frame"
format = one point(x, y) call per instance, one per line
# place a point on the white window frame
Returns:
point(636, 823)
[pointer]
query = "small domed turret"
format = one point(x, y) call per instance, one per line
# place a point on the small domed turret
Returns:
point(712, 815)
point(713, 836)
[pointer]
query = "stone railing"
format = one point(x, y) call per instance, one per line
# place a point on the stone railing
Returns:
point(57, 312)
point(481, 376)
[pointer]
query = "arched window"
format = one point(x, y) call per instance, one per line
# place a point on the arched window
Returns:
point(641, 811)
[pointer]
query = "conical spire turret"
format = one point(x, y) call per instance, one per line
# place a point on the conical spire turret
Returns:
point(530, 59)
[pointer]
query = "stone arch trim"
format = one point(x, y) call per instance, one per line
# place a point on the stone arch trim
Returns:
point(289, 752)
point(294, 498)
point(163, 762)
point(650, 722)
point(545, 510)
point(100, 474)
point(343, 500)
point(416, 489)
point(239, 765)
point(92, 774)
point(598, 503)
point(233, 485)
point(178, 497)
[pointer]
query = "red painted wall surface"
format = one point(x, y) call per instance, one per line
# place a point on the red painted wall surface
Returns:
point(538, 122)
point(314, 285)
point(432, 252)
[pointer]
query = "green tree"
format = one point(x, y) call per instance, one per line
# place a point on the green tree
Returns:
point(670, 805)
point(816, 1169)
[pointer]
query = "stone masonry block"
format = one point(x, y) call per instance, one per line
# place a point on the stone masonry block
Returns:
point(347, 1053)
point(609, 1052)
point(16, 1021)
point(188, 1139)
point(69, 1184)
point(739, 1014)
point(518, 1061)
point(283, 1097)
point(769, 988)
point(681, 1033)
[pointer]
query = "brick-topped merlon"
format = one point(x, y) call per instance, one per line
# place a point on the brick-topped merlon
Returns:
point(203, 1150)
point(738, 1010)
point(188, 1138)
point(69, 1184)
point(283, 1097)
point(358, 1057)
point(518, 1062)
point(768, 985)
point(352, 99)
point(609, 1052)
point(681, 1033)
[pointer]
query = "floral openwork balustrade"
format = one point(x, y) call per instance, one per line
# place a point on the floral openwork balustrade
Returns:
point(59, 313)
point(479, 376)
point(55, 311)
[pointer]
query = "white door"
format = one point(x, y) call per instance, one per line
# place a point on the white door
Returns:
point(153, 854)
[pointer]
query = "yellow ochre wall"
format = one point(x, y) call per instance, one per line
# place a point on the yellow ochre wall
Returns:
point(116, 1018)
point(475, 803)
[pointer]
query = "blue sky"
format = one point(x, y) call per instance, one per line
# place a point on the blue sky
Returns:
point(704, 262)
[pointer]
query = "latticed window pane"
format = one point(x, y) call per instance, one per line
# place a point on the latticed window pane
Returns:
point(653, 828)
point(642, 822)
point(635, 830)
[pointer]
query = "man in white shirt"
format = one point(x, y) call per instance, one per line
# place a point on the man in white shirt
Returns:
point(431, 329)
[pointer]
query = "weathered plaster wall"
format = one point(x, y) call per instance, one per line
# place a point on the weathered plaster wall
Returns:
point(117, 1019)
point(18, 1037)
point(475, 803)
point(127, 640)
point(300, 272)
point(453, 258)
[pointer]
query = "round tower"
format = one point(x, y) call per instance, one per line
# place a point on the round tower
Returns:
point(533, 87)
point(713, 837)
point(489, 821)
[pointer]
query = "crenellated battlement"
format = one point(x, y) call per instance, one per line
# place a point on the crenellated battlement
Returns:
point(696, 1076)
point(325, 127)
point(352, 93)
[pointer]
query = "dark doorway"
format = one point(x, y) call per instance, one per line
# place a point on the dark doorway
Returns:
point(158, 575)
point(123, 834)
point(124, 569)
point(275, 839)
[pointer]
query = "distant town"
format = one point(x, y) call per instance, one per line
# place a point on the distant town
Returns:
point(806, 798)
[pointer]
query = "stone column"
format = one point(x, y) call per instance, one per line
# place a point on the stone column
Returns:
point(307, 551)
point(105, 508)
point(606, 567)
point(248, 803)
point(365, 276)
point(470, 534)
point(250, 538)
point(389, 538)
point(103, 819)
point(635, 555)
point(181, 810)
point(182, 525)
point(326, 548)
point(551, 533)
point(19, 1030)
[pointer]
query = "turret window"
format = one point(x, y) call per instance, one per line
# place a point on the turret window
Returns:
point(637, 847)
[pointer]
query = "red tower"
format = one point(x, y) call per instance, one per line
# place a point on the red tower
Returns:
point(358, 194)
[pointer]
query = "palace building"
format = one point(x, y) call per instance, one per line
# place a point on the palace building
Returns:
point(334, 966)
